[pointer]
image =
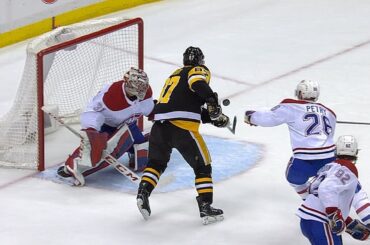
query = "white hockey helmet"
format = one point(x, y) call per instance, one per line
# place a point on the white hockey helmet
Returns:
point(136, 83)
point(347, 146)
point(307, 90)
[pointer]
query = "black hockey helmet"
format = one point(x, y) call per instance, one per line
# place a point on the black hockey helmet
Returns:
point(193, 56)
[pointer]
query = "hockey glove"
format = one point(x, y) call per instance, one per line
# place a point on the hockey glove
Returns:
point(247, 118)
point(98, 142)
point(214, 109)
point(205, 116)
point(357, 229)
point(336, 221)
point(221, 122)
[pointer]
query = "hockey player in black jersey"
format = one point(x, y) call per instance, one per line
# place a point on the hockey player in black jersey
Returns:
point(177, 117)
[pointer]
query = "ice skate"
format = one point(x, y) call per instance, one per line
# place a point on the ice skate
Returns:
point(143, 202)
point(209, 214)
point(63, 172)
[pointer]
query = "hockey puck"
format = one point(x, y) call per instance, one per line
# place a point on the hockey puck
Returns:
point(226, 102)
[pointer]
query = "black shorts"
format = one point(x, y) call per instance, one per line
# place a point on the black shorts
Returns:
point(165, 136)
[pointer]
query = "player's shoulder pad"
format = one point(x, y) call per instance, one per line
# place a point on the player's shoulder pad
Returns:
point(176, 72)
point(200, 71)
point(113, 98)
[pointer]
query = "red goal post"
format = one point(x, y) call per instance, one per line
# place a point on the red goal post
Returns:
point(64, 69)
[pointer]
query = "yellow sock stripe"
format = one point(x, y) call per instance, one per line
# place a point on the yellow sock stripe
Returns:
point(205, 191)
point(149, 180)
point(153, 171)
point(205, 179)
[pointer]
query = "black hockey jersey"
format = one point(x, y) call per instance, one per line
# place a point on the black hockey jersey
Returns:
point(178, 103)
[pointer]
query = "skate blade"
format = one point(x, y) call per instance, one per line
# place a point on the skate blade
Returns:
point(212, 219)
point(143, 212)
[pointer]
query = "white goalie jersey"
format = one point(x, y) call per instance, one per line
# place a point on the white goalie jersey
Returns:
point(112, 107)
point(311, 127)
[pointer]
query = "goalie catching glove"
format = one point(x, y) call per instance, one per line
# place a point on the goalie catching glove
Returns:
point(357, 229)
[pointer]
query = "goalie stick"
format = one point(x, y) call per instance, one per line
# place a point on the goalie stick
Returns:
point(106, 156)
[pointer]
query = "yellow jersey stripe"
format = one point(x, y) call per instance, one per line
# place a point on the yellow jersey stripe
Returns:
point(187, 125)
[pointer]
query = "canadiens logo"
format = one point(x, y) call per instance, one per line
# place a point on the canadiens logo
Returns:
point(49, 1)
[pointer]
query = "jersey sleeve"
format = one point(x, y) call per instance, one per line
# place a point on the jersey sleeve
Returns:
point(361, 204)
point(277, 115)
point(93, 116)
point(198, 74)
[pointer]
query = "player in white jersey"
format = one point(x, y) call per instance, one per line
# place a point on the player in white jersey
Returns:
point(113, 112)
point(311, 127)
point(325, 212)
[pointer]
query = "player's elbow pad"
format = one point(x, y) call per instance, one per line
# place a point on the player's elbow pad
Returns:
point(203, 90)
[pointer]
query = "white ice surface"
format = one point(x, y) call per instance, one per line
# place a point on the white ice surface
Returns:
point(257, 51)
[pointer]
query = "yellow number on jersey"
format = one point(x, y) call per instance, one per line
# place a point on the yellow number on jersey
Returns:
point(168, 88)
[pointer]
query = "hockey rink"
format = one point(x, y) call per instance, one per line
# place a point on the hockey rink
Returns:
point(257, 51)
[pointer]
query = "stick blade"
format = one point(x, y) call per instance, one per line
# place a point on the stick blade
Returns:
point(233, 126)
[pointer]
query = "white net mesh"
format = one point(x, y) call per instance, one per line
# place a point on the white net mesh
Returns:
point(71, 76)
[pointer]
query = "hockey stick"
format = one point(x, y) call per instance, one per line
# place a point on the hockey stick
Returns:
point(232, 126)
point(358, 123)
point(106, 156)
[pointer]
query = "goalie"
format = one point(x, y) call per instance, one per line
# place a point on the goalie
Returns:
point(109, 123)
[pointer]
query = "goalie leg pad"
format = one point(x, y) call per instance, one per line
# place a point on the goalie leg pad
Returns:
point(120, 142)
point(101, 165)
point(63, 171)
point(97, 142)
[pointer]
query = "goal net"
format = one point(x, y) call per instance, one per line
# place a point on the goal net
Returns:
point(64, 69)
